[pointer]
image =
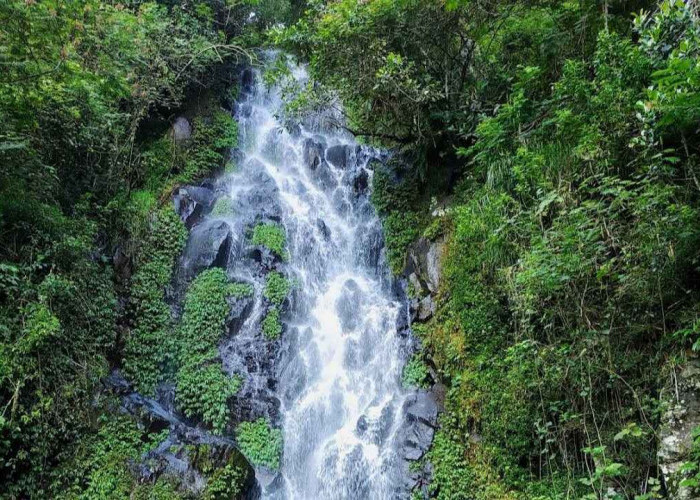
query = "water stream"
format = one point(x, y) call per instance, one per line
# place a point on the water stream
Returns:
point(335, 383)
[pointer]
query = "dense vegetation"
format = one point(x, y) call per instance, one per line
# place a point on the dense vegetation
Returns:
point(554, 146)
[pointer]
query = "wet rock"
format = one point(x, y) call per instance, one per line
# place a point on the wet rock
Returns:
point(339, 155)
point(323, 228)
point(362, 425)
point(313, 154)
point(248, 80)
point(360, 182)
point(239, 309)
point(420, 411)
point(192, 203)
point(208, 246)
point(263, 196)
point(677, 424)
point(181, 129)
point(348, 305)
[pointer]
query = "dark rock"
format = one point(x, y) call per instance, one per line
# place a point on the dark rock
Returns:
point(248, 80)
point(324, 229)
point(362, 425)
point(420, 411)
point(239, 309)
point(181, 129)
point(360, 182)
point(208, 246)
point(339, 155)
point(192, 203)
point(312, 154)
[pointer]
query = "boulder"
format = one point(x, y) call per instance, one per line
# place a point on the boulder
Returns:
point(420, 411)
point(682, 415)
point(181, 129)
point(239, 309)
point(208, 246)
point(339, 155)
point(192, 203)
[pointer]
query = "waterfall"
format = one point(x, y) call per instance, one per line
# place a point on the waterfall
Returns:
point(334, 385)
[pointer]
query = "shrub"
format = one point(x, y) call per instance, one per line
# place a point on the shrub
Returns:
point(260, 443)
point(146, 347)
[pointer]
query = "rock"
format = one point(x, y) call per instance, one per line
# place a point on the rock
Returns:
point(208, 246)
point(312, 154)
point(339, 155)
point(239, 309)
point(426, 308)
point(421, 416)
point(424, 259)
point(360, 182)
point(682, 398)
point(192, 203)
point(181, 129)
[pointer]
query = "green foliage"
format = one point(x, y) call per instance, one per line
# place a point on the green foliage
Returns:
point(271, 324)
point(272, 237)
point(415, 373)
point(146, 350)
point(225, 483)
point(203, 389)
point(277, 288)
point(260, 443)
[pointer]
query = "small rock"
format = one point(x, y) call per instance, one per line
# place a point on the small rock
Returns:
point(181, 129)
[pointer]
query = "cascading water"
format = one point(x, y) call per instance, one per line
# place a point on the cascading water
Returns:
point(335, 380)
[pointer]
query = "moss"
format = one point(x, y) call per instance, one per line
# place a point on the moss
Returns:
point(271, 325)
point(277, 288)
point(260, 442)
point(272, 237)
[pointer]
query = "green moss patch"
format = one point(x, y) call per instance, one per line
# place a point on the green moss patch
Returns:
point(260, 443)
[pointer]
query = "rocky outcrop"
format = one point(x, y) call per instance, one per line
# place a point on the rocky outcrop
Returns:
point(682, 415)
point(423, 274)
point(188, 453)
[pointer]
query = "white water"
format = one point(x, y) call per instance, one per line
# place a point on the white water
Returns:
point(339, 379)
